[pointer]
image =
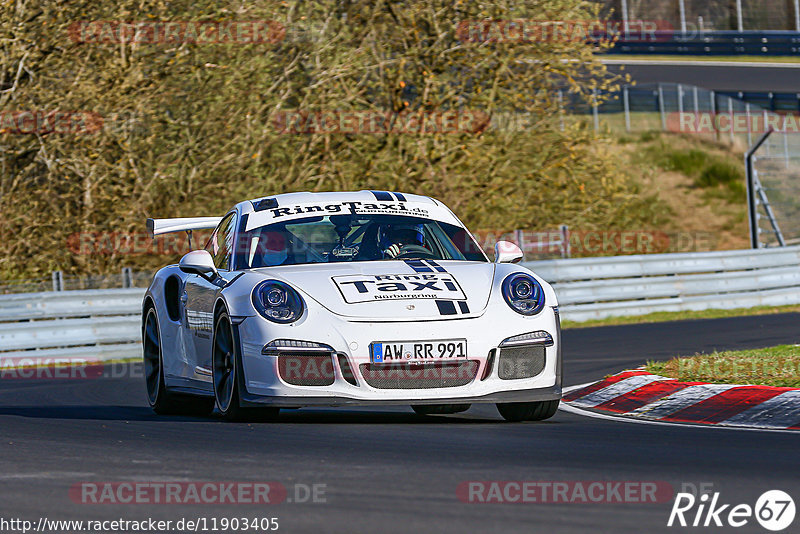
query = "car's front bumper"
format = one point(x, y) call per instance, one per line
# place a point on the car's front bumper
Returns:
point(263, 386)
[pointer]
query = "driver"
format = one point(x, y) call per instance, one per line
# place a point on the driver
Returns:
point(274, 248)
point(392, 238)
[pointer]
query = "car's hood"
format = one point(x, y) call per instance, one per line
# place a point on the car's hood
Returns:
point(394, 289)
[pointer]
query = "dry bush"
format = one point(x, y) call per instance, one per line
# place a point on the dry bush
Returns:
point(189, 129)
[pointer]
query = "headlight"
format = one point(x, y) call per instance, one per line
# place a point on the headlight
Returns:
point(277, 302)
point(523, 293)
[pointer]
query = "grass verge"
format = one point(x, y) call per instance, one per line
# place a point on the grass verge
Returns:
point(659, 317)
point(770, 366)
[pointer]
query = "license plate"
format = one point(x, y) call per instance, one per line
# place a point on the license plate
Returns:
point(418, 351)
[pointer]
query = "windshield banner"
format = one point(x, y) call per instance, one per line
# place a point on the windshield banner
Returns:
point(300, 211)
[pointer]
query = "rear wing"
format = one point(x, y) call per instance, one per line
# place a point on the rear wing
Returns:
point(157, 227)
point(167, 226)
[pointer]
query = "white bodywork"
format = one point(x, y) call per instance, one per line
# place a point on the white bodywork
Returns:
point(345, 320)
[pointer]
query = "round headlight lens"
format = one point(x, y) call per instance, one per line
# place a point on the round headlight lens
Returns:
point(522, 289)
point(276, 296)
point(523, 294)
point(277, 302)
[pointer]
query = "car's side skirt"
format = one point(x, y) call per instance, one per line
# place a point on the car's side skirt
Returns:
point(189, 386)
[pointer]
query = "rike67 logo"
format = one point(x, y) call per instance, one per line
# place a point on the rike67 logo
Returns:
point(774, 510)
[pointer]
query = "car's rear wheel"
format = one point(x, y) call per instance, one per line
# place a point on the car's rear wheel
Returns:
point(161, 400)
point(226, 375)
point(440, 409)
point(528, 411)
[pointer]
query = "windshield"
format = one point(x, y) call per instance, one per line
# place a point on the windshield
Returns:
point(351, 238)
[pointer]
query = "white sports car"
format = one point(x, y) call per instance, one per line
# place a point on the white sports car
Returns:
point(359, 298)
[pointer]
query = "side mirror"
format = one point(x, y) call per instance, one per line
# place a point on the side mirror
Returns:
point(507, 252)
point(198, 262)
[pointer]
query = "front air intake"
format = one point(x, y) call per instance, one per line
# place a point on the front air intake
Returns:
point(487, 370)
point(522, 361)
point(405, 376)
point(306, 369)
point(347, 371)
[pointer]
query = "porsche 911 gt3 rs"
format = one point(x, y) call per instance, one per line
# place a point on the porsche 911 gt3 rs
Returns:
point(347, 298)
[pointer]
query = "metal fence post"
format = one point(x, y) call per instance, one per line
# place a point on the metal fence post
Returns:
point(127, 277)
point(565, 249)
point(627, 106)
point(713, 97)
point(625, 16)
point(785, 142)
point(58, 280)
point(739, 24)
point(682, 9)
point(730, 118)
point(680, 98)
point(595, 115)
point(747, 115)
point(752, 215)
point(2, 171)
point(661, 108)
point(797, 15)
point(764, 201)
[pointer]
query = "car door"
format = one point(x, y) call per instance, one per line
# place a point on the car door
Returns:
point(199, 297)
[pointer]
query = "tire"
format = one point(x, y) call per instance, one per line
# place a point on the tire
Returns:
point(227, 376)
point(440, 409)
point(528, 411)
point(544, 410)
point(161, 400)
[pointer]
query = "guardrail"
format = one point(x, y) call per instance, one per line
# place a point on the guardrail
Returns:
point(721, 43)
point(104, 324)
point(58, 281)
point(96, 324)
point(596, 288)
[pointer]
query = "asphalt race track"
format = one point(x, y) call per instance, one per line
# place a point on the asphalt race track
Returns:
point(388, 470)
point(724, 77)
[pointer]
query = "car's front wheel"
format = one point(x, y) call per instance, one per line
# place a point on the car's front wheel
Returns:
point(528, 411)
point(161, 400)
point(226, 375)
